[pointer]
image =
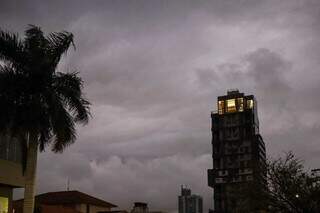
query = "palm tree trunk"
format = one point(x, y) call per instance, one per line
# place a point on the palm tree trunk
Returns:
point(30, 174)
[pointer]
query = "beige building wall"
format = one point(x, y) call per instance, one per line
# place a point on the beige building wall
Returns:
point(95, 209)
point(10, 177)
point(92, 209)
point(11, 173)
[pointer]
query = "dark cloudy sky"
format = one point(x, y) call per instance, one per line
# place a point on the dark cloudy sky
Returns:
point(153, 69)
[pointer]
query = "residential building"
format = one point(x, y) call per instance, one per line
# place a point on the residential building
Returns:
point(239, 155)
point(11, 172)
point(67, 202)
point(189, 203)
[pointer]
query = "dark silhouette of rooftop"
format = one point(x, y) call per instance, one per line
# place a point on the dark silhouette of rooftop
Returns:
point(68, 197)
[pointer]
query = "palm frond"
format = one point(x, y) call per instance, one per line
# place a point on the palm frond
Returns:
point(35, 44)
point(58, 44)
point(34, 97)
point(45, 138)
point(68, 86)
point(45, 128)
point(11, 48)
point(24, 147)
point(34, 35)
point(63, 127)
point(8, 96)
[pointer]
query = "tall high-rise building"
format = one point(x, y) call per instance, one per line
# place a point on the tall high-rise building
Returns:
point(239, 155)
point(189, 203)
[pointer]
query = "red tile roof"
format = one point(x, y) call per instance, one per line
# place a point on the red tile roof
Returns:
point(69, 197)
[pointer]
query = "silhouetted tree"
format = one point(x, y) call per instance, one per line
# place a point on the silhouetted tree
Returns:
point(39, 105)
point(290, 189)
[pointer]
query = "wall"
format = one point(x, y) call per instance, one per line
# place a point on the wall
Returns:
point(93, 209)
point(11, 173)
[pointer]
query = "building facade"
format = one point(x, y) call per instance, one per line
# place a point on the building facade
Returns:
point(238, 150)
point(11, 173)
point(189, 203)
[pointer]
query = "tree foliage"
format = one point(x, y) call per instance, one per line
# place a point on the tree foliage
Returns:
point(35, 97)
point(289, 188)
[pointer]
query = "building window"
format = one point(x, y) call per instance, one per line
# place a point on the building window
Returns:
point(220, 107)
point(240, 104)
point(249, 177)
point(231, 105)
point(249, 104)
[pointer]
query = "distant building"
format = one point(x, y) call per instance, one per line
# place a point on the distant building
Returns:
point(239, 154)
point(189, 203)
point(11, 172)
point(67, 202)
point(140, 207)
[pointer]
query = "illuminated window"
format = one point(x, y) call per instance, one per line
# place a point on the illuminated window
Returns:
point(249, 104)
point(4, 207)
point(220, 107)
point(231, 105)
point(240, 104)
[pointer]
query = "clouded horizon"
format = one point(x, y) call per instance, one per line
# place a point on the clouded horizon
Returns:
point(153, 70)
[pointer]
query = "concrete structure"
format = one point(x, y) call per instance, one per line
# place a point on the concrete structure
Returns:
point(238, 149)
point(140, 207)
point(67, 202)
point(189, 203)
point(11, 174)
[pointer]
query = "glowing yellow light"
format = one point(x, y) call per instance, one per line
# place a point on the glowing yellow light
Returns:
point(249, 104)
point(4, 205)
point(240, 104)
point(220, 107)
point(231, 105)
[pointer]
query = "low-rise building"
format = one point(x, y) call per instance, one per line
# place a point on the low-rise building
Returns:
point(67, 202)
point(11, 172)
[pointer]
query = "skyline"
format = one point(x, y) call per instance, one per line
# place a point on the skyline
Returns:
point(153, 71)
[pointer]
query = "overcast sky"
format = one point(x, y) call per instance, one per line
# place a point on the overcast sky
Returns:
point(153, 70)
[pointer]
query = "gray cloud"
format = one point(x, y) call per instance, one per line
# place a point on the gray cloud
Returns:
point(153, 70)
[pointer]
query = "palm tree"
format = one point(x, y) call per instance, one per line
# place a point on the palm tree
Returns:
point(39, 105)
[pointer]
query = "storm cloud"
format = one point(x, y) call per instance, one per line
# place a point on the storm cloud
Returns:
point(153, 70)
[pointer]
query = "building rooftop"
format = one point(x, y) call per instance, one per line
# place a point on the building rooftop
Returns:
point(68, 197)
